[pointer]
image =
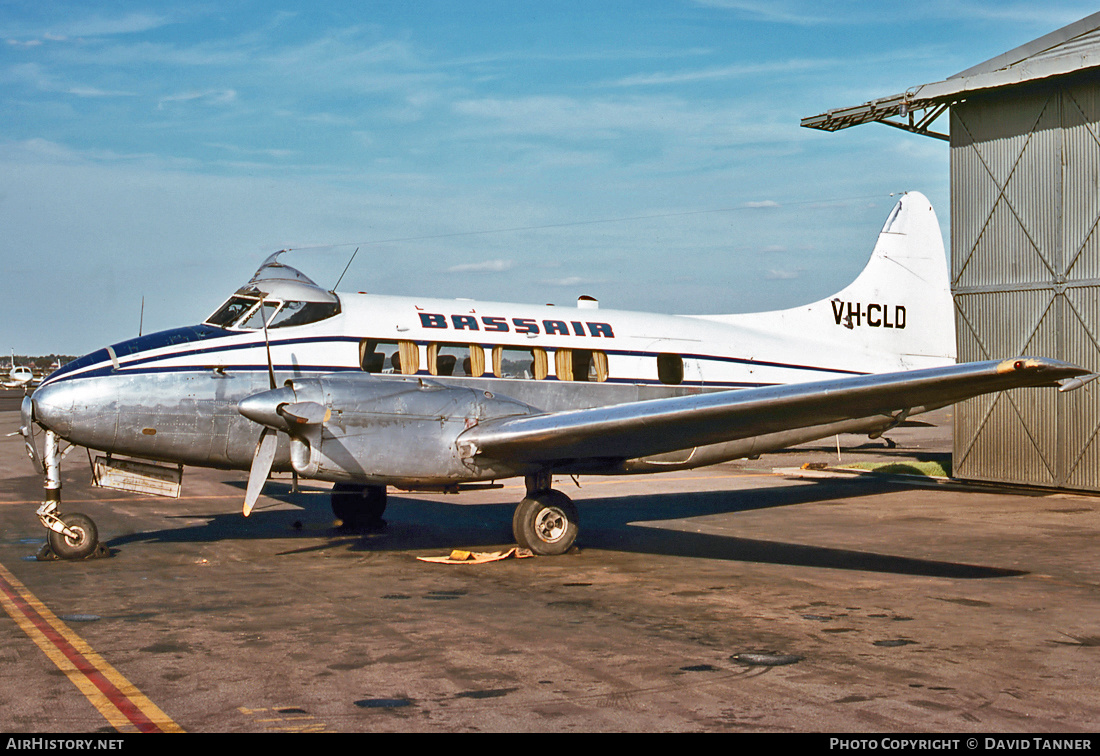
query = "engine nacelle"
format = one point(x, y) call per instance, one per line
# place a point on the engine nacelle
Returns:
point(393, 430)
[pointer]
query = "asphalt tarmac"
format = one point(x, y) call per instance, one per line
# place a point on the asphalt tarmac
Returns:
point(729, 599)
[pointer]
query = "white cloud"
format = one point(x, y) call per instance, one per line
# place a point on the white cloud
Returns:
point(806, 12)
point(771, 10)
point(571, 281)
point(627, 123)
point(83, 27)
point(96, 92)
point(724, 72)
point(776, 274)
point(104, 26)
point(209, 97)
point(489, 266)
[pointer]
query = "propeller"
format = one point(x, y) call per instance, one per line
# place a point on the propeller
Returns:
point(261, 468)
point(264, 456)
point(277, 411)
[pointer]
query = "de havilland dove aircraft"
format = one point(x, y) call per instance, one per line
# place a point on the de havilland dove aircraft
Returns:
point(19, 376)
point(370, 391)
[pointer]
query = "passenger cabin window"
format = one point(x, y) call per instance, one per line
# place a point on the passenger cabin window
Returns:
point(520, 363)
point(581, 365)
point(377, 356)
point(670, 369)
point(456, 360)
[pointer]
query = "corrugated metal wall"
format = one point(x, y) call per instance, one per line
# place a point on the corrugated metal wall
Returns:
point(1025, 248)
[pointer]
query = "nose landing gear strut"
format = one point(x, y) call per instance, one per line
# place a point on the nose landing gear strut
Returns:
point(72, 535)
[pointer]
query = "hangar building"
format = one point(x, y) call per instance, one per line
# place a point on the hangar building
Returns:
point(1024, 136)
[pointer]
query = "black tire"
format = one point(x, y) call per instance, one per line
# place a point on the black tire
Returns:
point(359, 506)
point(546, 523)
point(517, 524)
point(75, 548)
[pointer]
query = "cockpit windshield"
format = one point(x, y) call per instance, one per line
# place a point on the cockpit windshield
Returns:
point(259, 315)
point(279, 296)
point(249, 314)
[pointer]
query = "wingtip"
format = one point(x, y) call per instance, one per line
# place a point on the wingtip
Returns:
point(1037, 364)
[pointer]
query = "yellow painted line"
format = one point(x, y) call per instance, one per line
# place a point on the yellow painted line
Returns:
point(116, 698)
point(309, 723)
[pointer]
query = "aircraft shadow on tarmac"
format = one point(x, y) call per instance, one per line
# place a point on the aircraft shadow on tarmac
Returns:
point(615, 524)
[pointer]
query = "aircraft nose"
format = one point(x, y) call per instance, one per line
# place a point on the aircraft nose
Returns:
point(52, 407)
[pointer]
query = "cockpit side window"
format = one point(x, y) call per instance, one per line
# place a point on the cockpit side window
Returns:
point(230, 312)
point(301, 313)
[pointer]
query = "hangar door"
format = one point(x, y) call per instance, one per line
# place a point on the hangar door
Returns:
point(1025, 169)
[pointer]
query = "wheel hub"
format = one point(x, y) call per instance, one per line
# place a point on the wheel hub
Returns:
point(79, 537)
point(551, 524)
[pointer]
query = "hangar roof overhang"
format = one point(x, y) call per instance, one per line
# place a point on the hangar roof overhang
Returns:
point(1072, 48)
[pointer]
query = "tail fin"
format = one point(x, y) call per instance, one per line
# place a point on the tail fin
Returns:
point(897, 315)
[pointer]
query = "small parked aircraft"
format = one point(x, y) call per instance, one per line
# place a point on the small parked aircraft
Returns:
point(370, 391)
point(19, 376)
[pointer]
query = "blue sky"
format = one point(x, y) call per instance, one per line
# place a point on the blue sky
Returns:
point(645, 153)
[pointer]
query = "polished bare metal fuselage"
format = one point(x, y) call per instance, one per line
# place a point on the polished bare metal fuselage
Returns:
point(384, 429)
point(192, 418)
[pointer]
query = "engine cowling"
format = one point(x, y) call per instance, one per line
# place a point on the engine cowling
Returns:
point(398, 431)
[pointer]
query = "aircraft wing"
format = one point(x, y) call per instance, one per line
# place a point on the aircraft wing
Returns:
point(639, 429)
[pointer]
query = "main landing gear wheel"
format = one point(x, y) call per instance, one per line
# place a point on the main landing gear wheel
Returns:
point(359, 506)
point(545, 523)
point(83, 541)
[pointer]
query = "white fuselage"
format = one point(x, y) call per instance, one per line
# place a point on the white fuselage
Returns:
point(173, 395)
point(714, 354)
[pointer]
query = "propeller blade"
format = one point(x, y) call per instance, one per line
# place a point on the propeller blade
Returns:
point(305, 413)
point(261, 468)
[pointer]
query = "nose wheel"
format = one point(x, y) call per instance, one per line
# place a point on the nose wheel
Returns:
point(79, 538)
point(73, 535)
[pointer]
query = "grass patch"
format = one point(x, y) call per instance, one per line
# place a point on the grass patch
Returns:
point(925, 469)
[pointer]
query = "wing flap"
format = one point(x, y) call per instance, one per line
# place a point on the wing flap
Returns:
point(638, 429)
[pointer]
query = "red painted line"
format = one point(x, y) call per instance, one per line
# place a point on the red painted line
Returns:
point(117, 698)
